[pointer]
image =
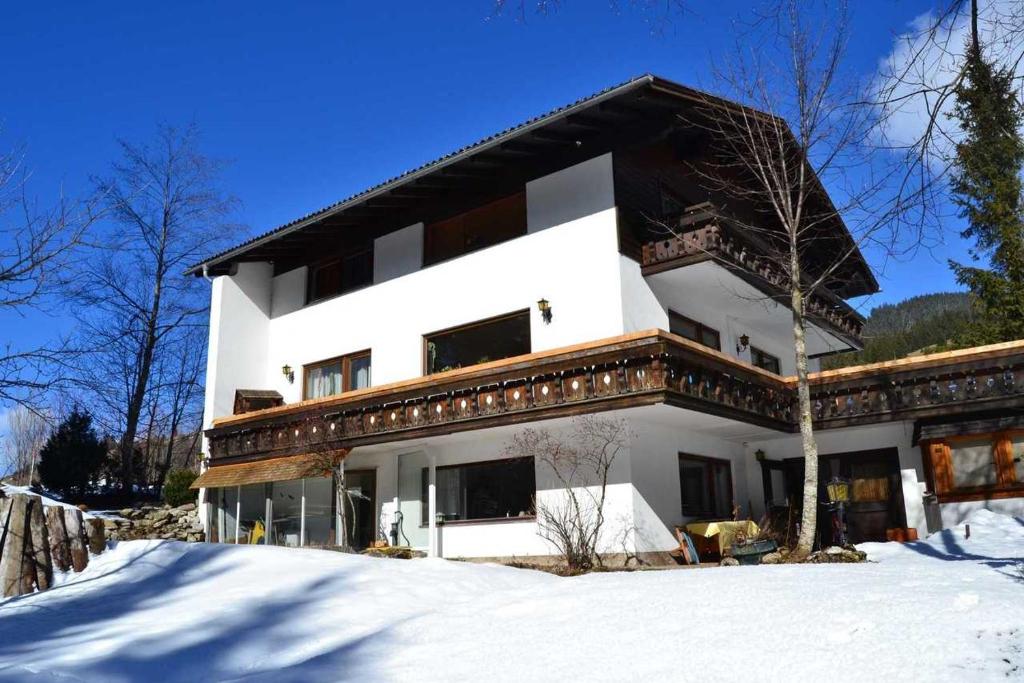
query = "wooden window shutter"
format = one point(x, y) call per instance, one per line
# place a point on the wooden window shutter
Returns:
point(942, 466)
point(1003, 453)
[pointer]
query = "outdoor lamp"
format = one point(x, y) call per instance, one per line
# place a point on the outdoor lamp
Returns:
point(287, 371)
point(545, 310)
point(838, 490)
point(743, 344)
point(439, 519)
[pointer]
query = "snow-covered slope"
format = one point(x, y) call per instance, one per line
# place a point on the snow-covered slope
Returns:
point(942, 609)
point(11, 489)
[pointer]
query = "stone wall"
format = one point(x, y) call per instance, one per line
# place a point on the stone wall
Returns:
point(151, 522)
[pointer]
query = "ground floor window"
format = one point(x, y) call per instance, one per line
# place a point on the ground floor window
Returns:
point(975, 467)
point(706, 486)
point(482, 490)
point(301, 512)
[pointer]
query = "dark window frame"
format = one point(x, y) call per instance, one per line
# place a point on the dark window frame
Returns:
point(763, 359)
point(700, 327)
point(430, 229)
point(363, 251)
point(425, 484)
point(712, 463)
point(346, 371)
point(425, 360)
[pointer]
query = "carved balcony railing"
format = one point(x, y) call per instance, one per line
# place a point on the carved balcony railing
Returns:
point(639, 369)
point(634, 370)
point(972, 380)
point(714, 241)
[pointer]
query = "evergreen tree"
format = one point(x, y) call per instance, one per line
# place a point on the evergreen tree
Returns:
point(72, 456)
point(987, 189)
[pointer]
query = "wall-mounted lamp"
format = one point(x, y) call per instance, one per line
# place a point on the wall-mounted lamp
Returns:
point(744, 344)
point(759, 454)
point(289, 374)
point(545, 310)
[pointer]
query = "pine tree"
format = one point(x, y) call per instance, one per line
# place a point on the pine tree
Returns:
point(72, 457)
point(987, 189)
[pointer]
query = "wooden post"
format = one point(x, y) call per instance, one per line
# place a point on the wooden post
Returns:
point(40, 559)
point(97, 539)
point(60, 552)
point(12, 559)
point(76, 538)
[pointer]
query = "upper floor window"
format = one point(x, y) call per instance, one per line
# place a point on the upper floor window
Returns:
point(336, 375)
point(765, 361)
point(481, 227)
point(479, 342)
point(693, 330)
point(340, 274)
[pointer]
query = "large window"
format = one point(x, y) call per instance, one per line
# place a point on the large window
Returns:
point(483, 490)
point(693, 330)
point(478, 342)
point(706, 487)
point(976, 467)
point(341, 274)
point(334, 376)
point(484, 226)
point(764, 360)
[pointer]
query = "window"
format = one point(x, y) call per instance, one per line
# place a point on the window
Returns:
point(478, 228)
point(974, 463)
point(976, 467)
point(482, 490)
point(764, 360)
point(340, 275)
point(693, 330)
point(706, 486)
point(479, 342)
point(334, 376)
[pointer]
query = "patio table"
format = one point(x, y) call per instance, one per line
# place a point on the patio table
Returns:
point(723, 532)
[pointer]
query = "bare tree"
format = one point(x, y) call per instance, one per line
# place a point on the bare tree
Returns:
point(26, 432)
point(794, 124)
point(581, 462)
point(37, 248)
point(136, 302)
point(325, 459)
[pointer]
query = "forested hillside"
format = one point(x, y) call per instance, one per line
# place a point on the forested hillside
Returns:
point(929, 321)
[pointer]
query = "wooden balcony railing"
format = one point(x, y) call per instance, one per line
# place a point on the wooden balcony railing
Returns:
point(713, 241)
point(633, 370)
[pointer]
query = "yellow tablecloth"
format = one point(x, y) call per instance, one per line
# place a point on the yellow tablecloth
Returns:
point(725, 531)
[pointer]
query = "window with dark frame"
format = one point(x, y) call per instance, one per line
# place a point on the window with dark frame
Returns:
point(484, 226)
point(479, 342)
point(337, 375)
point(694, 331)
point(496, 489)
point(340, 275)
point(765, 361)
point(705, 487)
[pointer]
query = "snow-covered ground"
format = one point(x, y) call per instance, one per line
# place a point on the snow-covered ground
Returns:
point(48, 501)
point(943, 609)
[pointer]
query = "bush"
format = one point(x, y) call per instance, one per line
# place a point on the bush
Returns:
point(176, 487)
point(71, 459)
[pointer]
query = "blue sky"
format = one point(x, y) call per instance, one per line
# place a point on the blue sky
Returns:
point(312, 102)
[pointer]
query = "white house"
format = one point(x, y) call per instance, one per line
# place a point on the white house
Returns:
point(525, 280)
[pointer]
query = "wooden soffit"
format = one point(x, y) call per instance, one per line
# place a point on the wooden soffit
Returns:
point(287, 468)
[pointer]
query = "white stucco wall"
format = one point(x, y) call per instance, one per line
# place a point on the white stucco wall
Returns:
point(573, 264)
point(581, 190)
point(398, 253)
point(239, 326)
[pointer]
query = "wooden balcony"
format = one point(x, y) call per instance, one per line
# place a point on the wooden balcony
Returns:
point(704, 237)
point(640, 369)
point(633, 370)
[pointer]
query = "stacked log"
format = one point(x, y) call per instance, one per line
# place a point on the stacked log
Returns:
point(35, 539)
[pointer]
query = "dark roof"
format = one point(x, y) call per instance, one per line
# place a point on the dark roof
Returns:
point(480, 145)
point(642, 99)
